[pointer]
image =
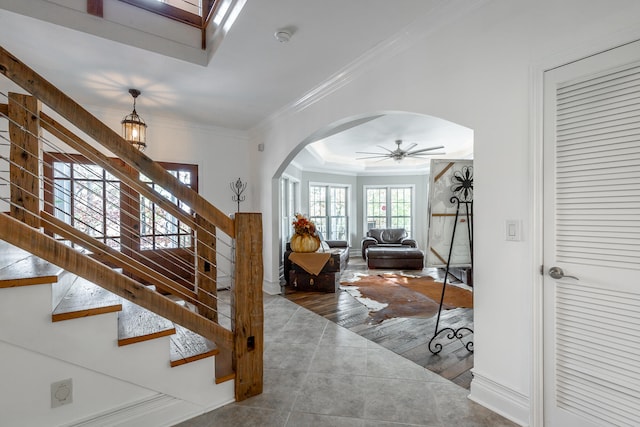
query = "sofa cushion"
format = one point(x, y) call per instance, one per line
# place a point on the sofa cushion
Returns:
point(388, 235)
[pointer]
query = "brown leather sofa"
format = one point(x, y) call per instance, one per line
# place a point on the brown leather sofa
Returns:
point(387, 238)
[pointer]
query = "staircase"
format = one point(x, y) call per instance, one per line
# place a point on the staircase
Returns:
point(96, 331)
point(135, 354)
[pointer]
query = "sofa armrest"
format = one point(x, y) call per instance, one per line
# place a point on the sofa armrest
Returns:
point(409, 242)
point(366, 242)
point(337, 243)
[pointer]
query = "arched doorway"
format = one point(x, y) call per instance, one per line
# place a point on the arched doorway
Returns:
point(356, 155)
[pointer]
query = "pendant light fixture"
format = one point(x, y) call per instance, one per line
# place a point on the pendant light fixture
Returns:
point(134, 129)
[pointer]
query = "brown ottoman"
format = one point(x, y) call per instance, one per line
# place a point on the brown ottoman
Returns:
point(397, 258)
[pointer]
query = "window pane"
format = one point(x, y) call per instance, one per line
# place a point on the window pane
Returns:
point(61, 170)
point(114, 244)
point(317, 201)
point(113, 209)
point(338, 228)
point(89, 198)
point(401, 208)
point(86, 171)
point(162, 229)
point(146, 243)
point(318, 207)
point(328, 207)
point(88, 213)
point(376, 208)
point(146, 216)
point(185, 241)
point(62, 200)
point(389, 207)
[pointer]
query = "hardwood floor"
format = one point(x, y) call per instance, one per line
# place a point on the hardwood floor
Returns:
point(408, 337)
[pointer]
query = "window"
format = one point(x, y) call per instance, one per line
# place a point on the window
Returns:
point(289, 193)
point(328, 210)
point(159, 229)
point(94, 201)
point(85, 196)
point(389, 207)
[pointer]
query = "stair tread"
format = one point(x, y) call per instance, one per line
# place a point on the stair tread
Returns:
point(136, 324)
point(10, 254)
point(86, 299)
point(30, 270)
point(188, 346)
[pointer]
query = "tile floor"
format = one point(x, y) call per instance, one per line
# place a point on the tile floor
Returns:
point(319, 374)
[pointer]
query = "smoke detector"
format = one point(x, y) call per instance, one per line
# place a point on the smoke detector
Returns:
point(283, 36)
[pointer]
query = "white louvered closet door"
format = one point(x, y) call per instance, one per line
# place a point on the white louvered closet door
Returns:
point(592, 231)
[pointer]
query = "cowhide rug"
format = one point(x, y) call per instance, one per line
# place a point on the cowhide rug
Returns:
point(393, 295)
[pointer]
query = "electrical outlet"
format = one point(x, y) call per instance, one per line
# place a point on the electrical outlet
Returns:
point(61, 393)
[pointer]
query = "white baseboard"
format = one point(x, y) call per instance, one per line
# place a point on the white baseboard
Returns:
point(157, 411)
point(500, 399)
point(271, 288)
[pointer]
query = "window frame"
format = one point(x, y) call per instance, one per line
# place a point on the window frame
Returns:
point(170, 167)
point(130, 201)
point(328, 231)
point(388, 203)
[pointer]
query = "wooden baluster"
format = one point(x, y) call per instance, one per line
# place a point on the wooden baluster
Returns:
point(25, 154)
point(246, 306)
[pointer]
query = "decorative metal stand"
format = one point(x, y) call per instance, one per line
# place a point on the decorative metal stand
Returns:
point(465, 192)
point(238, 188)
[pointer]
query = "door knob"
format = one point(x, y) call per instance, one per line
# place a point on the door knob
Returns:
point(557, 273)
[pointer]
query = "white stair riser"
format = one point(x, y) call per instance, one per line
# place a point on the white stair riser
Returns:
point(91, 343)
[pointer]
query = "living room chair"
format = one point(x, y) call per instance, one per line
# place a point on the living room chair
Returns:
point(386, 237)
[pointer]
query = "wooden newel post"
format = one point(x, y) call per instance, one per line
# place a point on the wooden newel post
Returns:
point(247, 314)
point(25, 155)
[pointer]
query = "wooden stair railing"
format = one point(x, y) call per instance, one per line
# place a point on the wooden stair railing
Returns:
point(245, 340)
point(55, 99)
point(39, 244)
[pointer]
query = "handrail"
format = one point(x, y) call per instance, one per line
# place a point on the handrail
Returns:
point(75, 142)
point(51, 96)
point(103, 252)
point(43, 246)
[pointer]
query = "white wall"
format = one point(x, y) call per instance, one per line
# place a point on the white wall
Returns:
point(475, 72)
point(221, 154)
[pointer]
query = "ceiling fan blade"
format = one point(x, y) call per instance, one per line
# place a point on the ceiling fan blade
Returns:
point(377, 156)
point(410, 147)
point(369, 152)
point(410, 153)
point(427, 154)
point(385, 149)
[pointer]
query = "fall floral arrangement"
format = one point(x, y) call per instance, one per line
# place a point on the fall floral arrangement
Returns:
point(302, 225)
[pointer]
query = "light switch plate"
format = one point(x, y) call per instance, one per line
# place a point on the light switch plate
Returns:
point(513, 231)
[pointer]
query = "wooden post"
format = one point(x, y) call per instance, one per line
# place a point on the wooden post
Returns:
point(95, 7)
point(206, 269)
point(247, 315)
point(25, 154)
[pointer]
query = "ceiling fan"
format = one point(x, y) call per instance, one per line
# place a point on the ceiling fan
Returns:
point(398, 154)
